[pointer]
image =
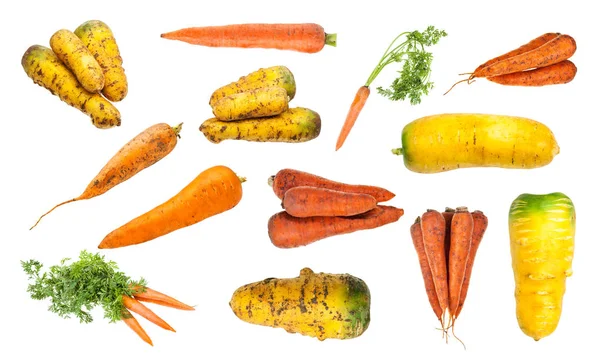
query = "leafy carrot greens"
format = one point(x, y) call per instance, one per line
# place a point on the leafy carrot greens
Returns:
point(76, 288)
point(416, 69)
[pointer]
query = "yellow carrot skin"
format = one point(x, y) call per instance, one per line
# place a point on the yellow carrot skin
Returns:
point(257, 103)
point(542, 237)
point(321, 305)
point(445, 142)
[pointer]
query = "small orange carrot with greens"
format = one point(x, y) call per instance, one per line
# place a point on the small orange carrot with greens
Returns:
point(146, 294)
point(76, 288)
point(412, 82)
point(144, 150)
point(212, 192)
point(307, 37)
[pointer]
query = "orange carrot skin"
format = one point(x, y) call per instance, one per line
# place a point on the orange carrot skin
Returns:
point(135, 326)
point(212, 192)
point(357, 105)
point(286, 231)
point(150, 295)
point(303, 201)
point(460, 244)
point(433, 227)
point(448, 214)
point(307, 38)
point(480, 223)
point(535, 43)
point(417, 237)
point(289, 178)
point(559, 73)
point(552, 52)
point(135, 306)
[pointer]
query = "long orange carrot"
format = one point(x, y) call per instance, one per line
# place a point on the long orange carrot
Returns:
point(306, 201)
point(433, 227)
point(480, 223)
point(357, 105)
point(460, 245)
point(417, 238)
point(286, 231)
point(152, 296)
point(212, 192)
point(145, 149)
point(135, 326)
point(307, 37)
point(559, 73)
point(288, 178)
point(134, 305)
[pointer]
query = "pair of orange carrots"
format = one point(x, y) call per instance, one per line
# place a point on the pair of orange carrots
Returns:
point(543, 61)
point(134, 304)
point(446, 245)
point(316, 208)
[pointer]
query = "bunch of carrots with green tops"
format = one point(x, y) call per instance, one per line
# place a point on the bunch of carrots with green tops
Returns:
point(316, 208)
point(446, 245)
point(541, 62)
point(75, 289)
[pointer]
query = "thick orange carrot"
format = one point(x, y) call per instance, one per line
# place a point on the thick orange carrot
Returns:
point(480, 223)
point(212, 192)
point(303, 201)
point(289, 178)
point(433, 227)
point(559, 73)
point(460, 244)
point(152, 296)
point(357, 105)
point(535, 43)
point(307, 38)
point(145, 149)
point(134, 305)
point(286, 231)
point(135, 326)
point(417, 238)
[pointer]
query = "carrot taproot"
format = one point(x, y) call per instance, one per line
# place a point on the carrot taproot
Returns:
point(304, 201)
point(433, 227)
point(559, 73)
point(460, 244)
point(134, 305)
point(212, 192)
point(531, 45)
point(134, 325)
point(152, 296)
point(287, 231)
point(306, 37)
point(141, 152)
point(480, 223)
point(355, 108)
point(448, 214)
point(417, 239)
point(537, 55)
point(288, 178)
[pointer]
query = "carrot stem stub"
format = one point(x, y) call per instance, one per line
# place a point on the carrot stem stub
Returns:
point(305, 37)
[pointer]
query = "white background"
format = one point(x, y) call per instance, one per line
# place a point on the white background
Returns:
point(51, 151)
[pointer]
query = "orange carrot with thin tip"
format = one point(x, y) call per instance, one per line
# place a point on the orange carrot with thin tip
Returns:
point(135, 326)
point(150, 295)
point(144, 150)
point(357, 105)
point(304, 201)
point(307, 37)
point(460, 245)
point(134, 305)
point(556, 74)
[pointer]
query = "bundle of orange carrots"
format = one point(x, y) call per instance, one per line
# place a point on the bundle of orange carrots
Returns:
point(543, 61)
point(316, 208)
point(446, 244)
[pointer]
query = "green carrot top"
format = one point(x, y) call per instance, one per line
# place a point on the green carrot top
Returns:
point(76, 288)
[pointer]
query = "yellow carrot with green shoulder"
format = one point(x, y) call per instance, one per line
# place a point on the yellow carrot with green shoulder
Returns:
point(413, 82)
point(76, 288)
point(542, 242)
